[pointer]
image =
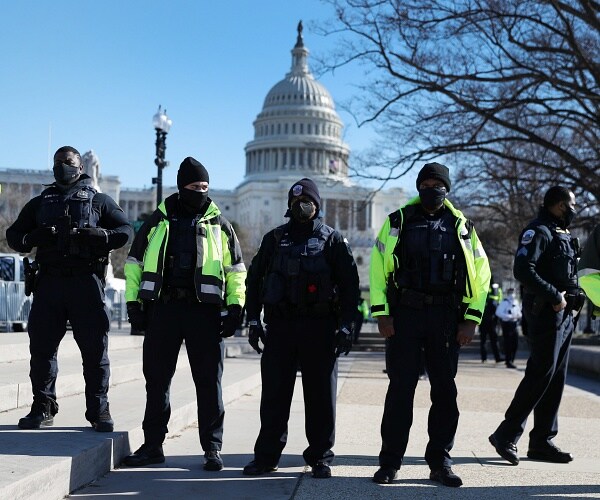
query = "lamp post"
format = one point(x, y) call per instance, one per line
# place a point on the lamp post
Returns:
point(162, 124)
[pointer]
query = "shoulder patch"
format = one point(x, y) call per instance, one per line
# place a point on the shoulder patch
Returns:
point(527, 237)
point(522, 251)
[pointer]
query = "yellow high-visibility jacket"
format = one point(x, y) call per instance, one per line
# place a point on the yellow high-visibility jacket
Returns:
point(384, 262)
point(588, 269)
point(220, 272)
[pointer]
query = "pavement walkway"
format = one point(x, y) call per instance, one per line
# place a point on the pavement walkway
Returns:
point(485, 390)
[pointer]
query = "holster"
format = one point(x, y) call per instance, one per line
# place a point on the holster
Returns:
point(30, 269)
point(575, 300)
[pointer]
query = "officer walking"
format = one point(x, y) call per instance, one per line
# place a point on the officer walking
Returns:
point(429, 280)
point(589, 269)
point(489, 323)
point(305, 277)
point(546, 264)
point(509, 313)
point(185, 267)
point(73, 228)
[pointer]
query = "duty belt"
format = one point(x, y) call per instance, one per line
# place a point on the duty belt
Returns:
point(173, 293)
point(66, 271)
point(413, 298)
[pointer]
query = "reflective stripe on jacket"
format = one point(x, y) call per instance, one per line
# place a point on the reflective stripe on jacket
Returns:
point(384, 261)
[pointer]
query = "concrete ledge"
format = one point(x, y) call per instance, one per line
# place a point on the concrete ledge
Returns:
point(585, 359)
point(51, 463)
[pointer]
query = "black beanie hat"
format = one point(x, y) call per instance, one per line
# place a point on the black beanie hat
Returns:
point(435, 171)
point(305, 187)
point(191, 170)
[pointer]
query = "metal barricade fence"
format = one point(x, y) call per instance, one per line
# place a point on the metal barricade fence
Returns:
point(14, 306)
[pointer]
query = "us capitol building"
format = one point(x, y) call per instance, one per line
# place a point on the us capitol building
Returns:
point(297, 134)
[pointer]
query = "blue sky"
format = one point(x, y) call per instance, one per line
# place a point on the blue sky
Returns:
point(91, 74)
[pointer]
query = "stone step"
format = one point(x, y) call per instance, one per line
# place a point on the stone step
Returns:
point(51, 462)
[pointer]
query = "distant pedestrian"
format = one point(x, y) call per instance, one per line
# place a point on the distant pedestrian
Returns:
point(509, 312)
point(489, 324)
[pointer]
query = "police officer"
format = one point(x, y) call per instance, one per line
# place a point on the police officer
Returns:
point(305, 277)
point(184, 267)
point(489, 323)
point(73, 228)
point(509, 313)
point(546, 264)
point(589, 269)
point(429, 280)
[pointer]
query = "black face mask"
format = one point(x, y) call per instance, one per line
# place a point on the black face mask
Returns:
point(65, 173)
point(193, 200)
point(568, 216)
point(302, 211)
point(432, 197)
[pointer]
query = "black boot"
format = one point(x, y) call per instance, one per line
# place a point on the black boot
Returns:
point(145, 455)
point(104, 422)
point(40, 415)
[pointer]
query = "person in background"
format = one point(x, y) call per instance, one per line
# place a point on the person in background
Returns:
point(509, 313)
point(489, 324)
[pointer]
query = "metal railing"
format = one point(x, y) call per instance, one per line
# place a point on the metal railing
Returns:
point(14, 306)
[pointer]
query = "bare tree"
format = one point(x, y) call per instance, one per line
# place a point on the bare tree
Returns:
point(510, 82)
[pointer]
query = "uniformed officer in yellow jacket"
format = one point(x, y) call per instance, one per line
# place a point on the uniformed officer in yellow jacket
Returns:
point(588, 269)
point(429, 280)
point(185, 281)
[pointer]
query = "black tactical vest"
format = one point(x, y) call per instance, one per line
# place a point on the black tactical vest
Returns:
point(558, 264)
point(65, 211)
point(181, 252)
point(299, 275)
point(429, 254)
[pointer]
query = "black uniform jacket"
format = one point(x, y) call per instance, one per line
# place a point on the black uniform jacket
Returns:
point(110, 217)
point(339, 258)
point(545, 259)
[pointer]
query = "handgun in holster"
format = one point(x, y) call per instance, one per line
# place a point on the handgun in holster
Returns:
point(30, 269)
point(575, 301)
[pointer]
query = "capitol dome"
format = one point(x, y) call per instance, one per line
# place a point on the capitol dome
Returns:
point(298, 130)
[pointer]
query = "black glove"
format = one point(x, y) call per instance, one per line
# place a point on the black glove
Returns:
point(92, 236)
point(256, 333)
point(137, 317)
point(40, 236)
point(231, 322)
point(343, 341)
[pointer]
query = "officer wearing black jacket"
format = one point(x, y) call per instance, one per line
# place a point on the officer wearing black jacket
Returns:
point(546, 265)
point(74, 228)
point(306, 278)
